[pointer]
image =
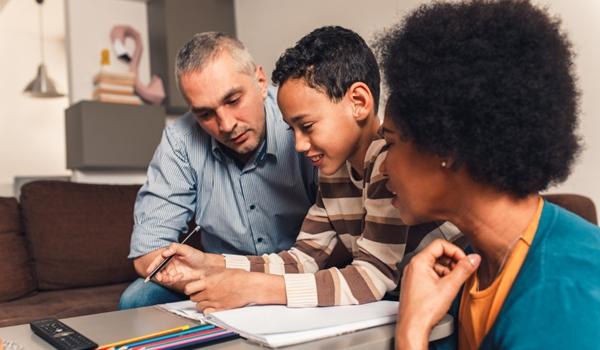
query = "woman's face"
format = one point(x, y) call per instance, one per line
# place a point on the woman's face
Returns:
point(416, 178)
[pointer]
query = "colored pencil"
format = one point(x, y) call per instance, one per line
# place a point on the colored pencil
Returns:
point(196, 334)
point(168, 336)
point(152, 335)
point(221, 334)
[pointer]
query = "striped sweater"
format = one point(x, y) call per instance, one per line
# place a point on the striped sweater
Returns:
point(353, 219)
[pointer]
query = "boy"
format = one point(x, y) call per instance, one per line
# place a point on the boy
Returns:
point(328, 94)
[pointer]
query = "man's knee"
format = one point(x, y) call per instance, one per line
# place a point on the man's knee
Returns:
point(139, 294)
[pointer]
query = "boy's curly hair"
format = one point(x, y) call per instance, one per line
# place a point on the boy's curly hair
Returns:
point(331, 59)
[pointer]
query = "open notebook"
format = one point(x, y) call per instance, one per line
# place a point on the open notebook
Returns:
point(280, 325)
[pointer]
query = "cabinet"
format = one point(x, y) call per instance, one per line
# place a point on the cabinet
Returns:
point(110, 136)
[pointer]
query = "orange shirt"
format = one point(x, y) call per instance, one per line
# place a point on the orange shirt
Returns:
point(479, 308)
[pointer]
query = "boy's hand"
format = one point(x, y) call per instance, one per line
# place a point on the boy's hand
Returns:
point(187, 264)
point(232, 288)
point(430, 283)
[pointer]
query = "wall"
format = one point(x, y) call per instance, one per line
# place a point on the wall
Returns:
point(32, 140)
point(581, 20)
point(257, 21)
point(32, 130)
point(88, 27)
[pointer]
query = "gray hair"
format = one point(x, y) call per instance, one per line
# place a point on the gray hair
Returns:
point(204, 47)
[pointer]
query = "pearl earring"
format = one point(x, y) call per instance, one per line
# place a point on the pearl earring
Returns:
point(444, 164)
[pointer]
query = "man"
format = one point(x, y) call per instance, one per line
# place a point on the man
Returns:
point(229, 164)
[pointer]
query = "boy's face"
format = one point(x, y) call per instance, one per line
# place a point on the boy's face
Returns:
point(325, 131)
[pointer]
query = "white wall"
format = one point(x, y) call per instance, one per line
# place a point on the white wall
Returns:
point(32, 130)
point(268, 27)
point(32, 140)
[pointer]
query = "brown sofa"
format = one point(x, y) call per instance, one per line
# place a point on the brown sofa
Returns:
point(64, 249)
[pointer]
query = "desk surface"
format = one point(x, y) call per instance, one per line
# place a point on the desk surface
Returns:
point(118, 325)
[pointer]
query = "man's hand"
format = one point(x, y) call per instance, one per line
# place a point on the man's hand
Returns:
point(231, 288)
point(430, 283)
point(186, 265)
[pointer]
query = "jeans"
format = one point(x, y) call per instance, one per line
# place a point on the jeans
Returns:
point(140, 294)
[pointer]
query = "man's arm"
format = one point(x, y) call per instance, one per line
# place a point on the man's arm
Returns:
point(165, 203)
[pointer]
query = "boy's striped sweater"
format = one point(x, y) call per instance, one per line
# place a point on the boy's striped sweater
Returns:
point(350, 216)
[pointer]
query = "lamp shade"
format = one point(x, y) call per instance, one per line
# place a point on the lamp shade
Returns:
point(42, 85)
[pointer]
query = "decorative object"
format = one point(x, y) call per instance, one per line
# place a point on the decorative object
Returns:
point(154, 92)
point(42, 85)
point(111, 85)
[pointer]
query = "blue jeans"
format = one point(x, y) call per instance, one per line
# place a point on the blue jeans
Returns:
point(140, 294)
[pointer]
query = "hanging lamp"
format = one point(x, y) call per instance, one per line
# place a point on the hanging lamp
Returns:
point(42, 85)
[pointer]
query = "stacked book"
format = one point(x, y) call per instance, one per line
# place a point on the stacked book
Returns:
point(115, 87)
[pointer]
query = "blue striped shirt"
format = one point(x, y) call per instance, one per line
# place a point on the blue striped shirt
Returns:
point(254, 210)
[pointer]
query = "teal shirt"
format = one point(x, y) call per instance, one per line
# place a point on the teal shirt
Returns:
point(554, 302)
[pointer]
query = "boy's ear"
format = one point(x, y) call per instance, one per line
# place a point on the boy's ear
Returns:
point(361, 99)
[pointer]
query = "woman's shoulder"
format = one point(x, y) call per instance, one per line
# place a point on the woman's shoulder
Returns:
point(563, 233)
point(565, 253)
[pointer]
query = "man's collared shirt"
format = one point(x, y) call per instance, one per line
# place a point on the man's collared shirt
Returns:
point(256, 210)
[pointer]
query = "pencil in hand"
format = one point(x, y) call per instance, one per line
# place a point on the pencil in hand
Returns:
point(166, 261)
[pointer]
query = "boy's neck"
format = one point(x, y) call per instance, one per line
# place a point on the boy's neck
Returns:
point(368, 135)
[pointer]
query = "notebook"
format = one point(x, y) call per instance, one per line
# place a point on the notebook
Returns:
point(281, 326)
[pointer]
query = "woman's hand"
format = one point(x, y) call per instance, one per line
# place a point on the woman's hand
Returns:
point(430, 282)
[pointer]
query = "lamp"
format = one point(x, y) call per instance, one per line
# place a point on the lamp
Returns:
point(42, 85)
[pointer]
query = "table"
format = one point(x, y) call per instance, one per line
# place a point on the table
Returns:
point(113, 326)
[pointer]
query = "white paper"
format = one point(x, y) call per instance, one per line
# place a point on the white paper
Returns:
point(186, 308)
point(277, 325)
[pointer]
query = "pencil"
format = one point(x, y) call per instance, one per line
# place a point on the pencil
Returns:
point(192, 330)
point(220, 333)
point(147, 336)
point(166, 261)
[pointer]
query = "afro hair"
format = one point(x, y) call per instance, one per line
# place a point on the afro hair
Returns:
point(489, 84)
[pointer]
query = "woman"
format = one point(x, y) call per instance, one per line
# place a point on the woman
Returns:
point(480, 118)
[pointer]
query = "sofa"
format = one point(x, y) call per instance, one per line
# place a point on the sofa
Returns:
point(64, 247)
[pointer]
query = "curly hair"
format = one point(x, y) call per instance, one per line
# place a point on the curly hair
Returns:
point(490, 84)
point(331, 58)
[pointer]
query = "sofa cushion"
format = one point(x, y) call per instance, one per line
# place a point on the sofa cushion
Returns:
point(16, 271)
point(61, 304)
point(79, 233)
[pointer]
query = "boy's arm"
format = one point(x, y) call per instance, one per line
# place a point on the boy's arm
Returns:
point(370, 275)
point(310, 252)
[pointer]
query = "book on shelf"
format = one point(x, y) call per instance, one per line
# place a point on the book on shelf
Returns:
point(116, 78)
point(117, 98)
point(114, 89)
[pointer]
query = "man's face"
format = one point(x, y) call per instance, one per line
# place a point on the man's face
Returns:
point(325, 131)
point(227, 103)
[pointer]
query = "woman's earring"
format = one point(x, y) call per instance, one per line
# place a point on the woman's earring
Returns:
point(444, 164)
